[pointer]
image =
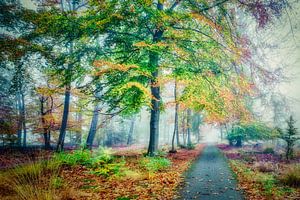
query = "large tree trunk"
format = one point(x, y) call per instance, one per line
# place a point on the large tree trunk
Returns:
point(130, 134)
point(176, 132)
point(189, 114)
point(93, 127)
point(154, 118)
point(155, 91)
point(155, 102)
point(64, 123)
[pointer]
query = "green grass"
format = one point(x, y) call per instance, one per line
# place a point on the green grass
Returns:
point(154, 164)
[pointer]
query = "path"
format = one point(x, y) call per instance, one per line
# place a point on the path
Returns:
point(210, 178)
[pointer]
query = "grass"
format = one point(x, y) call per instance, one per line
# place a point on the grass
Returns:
point(36, 180)
point(260, 185)
point(154, 164)
point(291, 176)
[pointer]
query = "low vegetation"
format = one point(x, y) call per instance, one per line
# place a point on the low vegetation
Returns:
point(102, 174)
point(263, 174)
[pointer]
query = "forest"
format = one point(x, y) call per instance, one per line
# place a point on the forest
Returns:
point(142, 99)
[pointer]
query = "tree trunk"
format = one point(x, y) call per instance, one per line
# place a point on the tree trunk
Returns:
point(239, 141)
point(176, 132)
point(189, 113)
point(154, 118)
point(130, 134)
point(23, 119)
point(93, 127)
point(19, 131)
point(78, 132)
point(64, 123)
point(155, 91)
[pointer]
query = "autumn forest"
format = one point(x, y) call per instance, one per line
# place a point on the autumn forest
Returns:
point(141, 99)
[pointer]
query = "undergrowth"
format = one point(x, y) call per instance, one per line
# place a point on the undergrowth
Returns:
point(264, 184)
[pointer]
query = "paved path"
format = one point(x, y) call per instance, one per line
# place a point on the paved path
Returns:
point(210, 178)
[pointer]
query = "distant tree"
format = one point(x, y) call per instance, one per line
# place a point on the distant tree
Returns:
point(249, 131)
point(289, 136)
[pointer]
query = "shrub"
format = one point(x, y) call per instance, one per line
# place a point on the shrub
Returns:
point(101, 157)
point(291, 177)
point(161, 153)
point(191, 146)
point(154, 164)
point(83, 157)
point(264, 166)
point(269, 150)
point(109, 169)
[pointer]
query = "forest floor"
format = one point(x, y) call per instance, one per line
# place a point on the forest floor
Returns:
point(210, 178)
point(75, 175)
point(264, 174)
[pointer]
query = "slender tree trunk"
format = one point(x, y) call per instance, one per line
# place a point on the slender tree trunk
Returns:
point(46, 127)
point(24, 119)
point(93, 127)
point(19, 131)
point(189, 141)
point(176, 132)
point(78, 132)
point(183, 129)
point(130, 134)
point(64, 123)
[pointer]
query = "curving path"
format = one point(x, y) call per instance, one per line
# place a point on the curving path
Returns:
point(210, 178)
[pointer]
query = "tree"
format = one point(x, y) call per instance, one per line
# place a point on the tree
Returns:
point(289, 136)
point(190, 35)
point(249, 131)
point(176, 131)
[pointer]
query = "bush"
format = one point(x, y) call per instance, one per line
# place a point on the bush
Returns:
point(109, 169)
point(101, 157)
point(161, 153)
point(291, 177)
point(82, 157)
point(191, 146)
point(154, 164)
point(264, 166)
point(269, 150)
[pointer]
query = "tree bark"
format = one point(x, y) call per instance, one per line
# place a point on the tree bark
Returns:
point(93, 127)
